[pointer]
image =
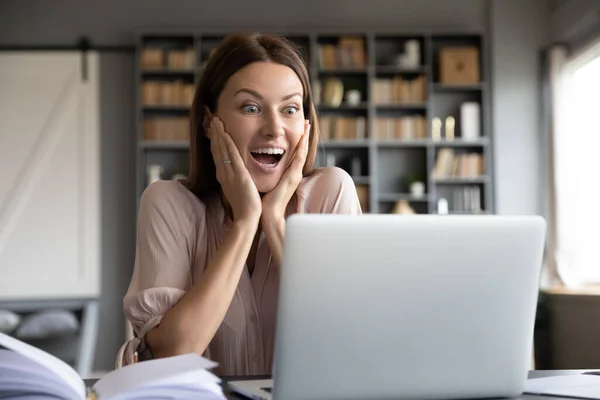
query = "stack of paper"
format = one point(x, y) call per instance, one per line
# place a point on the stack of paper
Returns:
point(28, 372)
point(580, 386)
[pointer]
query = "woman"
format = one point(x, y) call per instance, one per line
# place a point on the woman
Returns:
point(209, 251)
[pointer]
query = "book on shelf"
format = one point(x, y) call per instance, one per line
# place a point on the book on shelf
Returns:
point(398, 90)
point(466, 200)
point(406, 128)
point(166, 128)
point(342, 128)
point(152, 58)
point(156, 58)
point(29, 372)
point(181, 59)
point(349, 52)
point(463, 166)
point(167, 93)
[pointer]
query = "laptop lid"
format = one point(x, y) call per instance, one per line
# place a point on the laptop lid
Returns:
point(421, 306)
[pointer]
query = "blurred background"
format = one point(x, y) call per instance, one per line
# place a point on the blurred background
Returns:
point(433, 106)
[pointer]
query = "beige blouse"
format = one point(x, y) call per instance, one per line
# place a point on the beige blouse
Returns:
point(177, 235)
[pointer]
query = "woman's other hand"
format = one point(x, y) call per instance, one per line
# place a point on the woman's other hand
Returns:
point(275, 202)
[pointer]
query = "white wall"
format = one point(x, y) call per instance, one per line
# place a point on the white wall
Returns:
point(118, 194)
point(518, 31)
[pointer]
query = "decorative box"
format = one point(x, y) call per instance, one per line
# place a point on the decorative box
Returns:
point(459, 65)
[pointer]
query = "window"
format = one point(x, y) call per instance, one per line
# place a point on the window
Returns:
point(577, 172)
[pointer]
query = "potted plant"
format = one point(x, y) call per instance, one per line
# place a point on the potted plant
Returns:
point(415, 184)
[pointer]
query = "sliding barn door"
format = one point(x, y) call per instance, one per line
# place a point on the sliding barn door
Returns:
point(49, 175)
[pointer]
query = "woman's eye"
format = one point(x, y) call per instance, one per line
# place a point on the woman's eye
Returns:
point(250, 109)
point(291, 110)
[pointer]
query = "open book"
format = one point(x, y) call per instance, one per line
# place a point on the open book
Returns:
point(31, 373)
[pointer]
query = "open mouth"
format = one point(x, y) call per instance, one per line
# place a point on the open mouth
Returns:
point(268, 157)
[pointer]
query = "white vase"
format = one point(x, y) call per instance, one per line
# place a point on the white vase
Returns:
point(470, 121)
point(154, 173)
point(353, 97)
point(417, 189)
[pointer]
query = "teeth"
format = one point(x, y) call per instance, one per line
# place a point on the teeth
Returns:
point(268, 151)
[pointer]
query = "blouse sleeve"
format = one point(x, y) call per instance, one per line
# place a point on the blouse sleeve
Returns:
point(163, 260)
point(331, 191)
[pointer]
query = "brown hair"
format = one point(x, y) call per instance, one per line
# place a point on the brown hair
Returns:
point(234, 53)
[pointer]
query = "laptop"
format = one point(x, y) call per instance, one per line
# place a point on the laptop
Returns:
point(404, 307)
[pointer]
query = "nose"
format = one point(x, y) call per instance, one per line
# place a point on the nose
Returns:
point(273, 126)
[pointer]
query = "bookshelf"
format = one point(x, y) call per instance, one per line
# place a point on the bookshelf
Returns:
point(406, 115)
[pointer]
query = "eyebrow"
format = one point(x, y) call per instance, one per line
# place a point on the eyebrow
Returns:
point(257, 95)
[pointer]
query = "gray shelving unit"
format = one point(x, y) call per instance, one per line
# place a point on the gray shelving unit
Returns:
point(385, 164)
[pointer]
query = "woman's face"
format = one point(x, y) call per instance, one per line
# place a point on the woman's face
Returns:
point(261, 108)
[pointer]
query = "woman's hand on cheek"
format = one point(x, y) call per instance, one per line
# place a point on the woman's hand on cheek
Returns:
point(275, 202)
point(235, 179)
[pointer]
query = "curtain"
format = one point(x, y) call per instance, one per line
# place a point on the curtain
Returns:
point(554, 62)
